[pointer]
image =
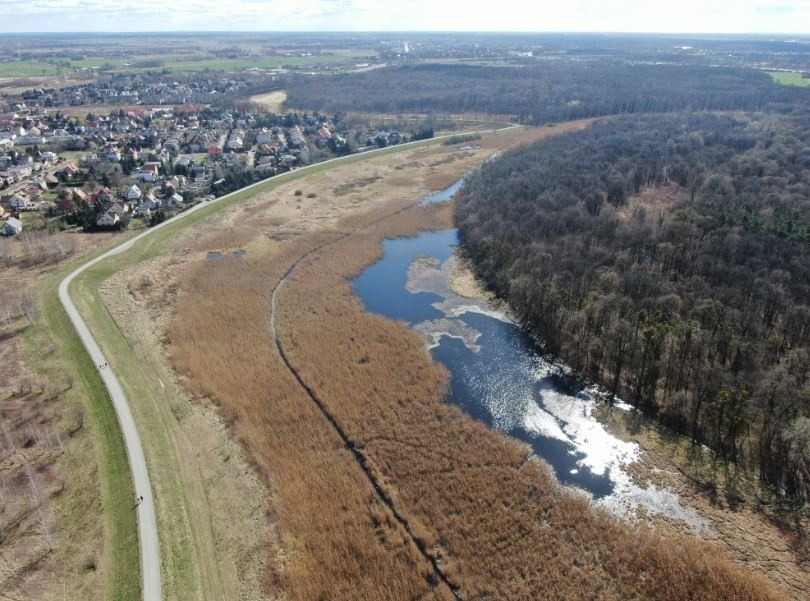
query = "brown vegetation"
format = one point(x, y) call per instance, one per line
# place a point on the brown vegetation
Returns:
point(271, 101)
point(497, 524)
point(50, 508)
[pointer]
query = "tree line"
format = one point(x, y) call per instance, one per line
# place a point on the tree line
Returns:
point(551, 91)
point(667, 258)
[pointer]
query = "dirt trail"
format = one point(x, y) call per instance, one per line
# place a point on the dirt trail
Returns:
point(383, 495)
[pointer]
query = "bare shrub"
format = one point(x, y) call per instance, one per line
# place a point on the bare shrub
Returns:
point(75, 419)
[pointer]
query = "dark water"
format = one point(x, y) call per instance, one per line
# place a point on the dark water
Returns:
point(445, 194)
point(501, 384)
point(216, 255)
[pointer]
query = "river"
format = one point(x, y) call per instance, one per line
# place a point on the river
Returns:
point(498, 375)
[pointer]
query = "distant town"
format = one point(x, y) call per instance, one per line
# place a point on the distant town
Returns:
point(99, 171)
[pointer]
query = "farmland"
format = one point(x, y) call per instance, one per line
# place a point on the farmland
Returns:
point(790, 78)
point(175, 63)
point(27, 68)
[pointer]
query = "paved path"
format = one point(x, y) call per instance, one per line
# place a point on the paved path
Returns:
point(147, 524)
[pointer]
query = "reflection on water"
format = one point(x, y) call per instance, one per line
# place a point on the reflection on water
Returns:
point(445, 194)
point(216, 255)
point(498, 377)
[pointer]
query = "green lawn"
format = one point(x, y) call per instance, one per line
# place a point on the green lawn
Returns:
point(118, 550)
point(72, 155)
point(32, 221)
point(27, 69)
point(789, 78)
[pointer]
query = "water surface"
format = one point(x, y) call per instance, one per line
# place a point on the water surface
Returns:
point(498, 375)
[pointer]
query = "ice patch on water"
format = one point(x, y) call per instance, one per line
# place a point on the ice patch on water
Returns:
point(602, 451)
point(459, 310)
point(530, 398)
point(628, 497)
point(540, 422)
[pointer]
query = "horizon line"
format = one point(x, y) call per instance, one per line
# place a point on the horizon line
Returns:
point(406, 31)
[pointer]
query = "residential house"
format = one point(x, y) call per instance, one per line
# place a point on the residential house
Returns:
point(69, 171)
point(108, 219)
point(322, 136)
point(34, 194)
point(119, 208)
point(20, 172)
point(144, 176)
point(264, 137)
point(20, 202)
point(134, 193)
point(12, 227)
point(30, 140)
point(175, 201)
point(104, 195)
point(197, 173)
point(296, 137)
point(150, 203)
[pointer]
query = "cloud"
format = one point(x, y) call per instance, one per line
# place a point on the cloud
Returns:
point(737, 16)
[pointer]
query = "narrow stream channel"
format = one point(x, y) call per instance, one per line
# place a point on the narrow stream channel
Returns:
point(499, 377)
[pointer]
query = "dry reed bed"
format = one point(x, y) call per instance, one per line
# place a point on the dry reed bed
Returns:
point(502, 530)
point(339, 541)
point(501, 527)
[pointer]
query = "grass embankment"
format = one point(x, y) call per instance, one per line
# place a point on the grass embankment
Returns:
point(498, 526)
point(191, 568)
point(790, 78)
point(117, 555)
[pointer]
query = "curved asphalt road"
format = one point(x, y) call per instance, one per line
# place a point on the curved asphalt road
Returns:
point(147, 524)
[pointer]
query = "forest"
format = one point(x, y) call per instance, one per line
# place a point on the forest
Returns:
point(551, 91)
point(667, 259)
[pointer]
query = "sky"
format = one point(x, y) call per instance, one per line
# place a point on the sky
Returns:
point(660, 16)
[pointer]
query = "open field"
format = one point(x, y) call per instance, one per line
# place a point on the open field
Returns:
point(27, 69)
point(178, 63)
point(790, 78)
point(266, 62)
point(272, 101)
point(55, 411)
point(17, 85)
point(461, 489)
